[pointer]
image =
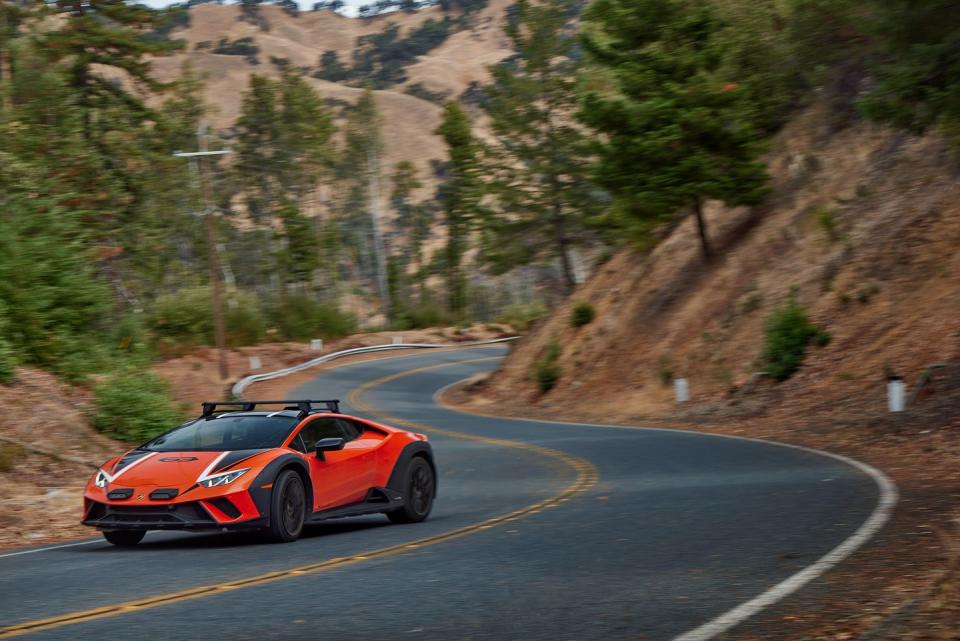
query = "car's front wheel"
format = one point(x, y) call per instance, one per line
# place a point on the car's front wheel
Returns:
point(418, 489)
point(124, 538)
point(288, 507)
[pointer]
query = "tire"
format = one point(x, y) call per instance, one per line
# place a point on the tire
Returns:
point(288, 508)
point(419, 487)
point(124, 538)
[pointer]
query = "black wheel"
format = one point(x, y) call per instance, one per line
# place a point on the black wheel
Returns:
point(124, 538)
point(418, 489)
point(288, 508)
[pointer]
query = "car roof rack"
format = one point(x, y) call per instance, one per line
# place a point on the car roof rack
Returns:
point(304, 407)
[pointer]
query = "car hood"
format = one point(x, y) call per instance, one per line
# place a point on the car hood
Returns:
point(174, 469)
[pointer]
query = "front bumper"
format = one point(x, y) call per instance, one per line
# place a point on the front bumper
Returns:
point(193, 516)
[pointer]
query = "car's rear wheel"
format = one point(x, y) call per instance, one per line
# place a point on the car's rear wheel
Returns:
point(288, 507)
point(419, 489)
point(124, 538)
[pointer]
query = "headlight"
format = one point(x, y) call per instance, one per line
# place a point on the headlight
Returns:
point(223, 479)
point(100, 480)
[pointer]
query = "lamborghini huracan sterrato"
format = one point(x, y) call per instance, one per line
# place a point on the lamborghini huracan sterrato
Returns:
point(238, 468)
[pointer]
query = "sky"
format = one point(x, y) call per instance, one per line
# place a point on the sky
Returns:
point(305, 5)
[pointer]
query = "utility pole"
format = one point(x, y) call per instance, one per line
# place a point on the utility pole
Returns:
point(197, 162)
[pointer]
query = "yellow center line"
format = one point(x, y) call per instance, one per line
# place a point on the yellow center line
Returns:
point(586, 477)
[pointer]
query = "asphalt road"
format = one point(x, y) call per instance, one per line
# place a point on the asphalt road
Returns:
point(616, 534)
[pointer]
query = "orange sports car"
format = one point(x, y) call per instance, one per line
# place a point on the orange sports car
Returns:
point(238, 467)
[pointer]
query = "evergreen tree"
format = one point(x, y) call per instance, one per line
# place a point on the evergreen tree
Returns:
point(461, 199)
point(258, 134)
point(676, 131)
point(541, 176)
point(411, 219)
point(107, 33)
point(916, 85)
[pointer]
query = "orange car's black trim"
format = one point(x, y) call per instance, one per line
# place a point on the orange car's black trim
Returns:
point(235, 458)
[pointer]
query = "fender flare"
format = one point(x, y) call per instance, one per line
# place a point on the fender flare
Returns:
point(417, 448)
point(262, 496)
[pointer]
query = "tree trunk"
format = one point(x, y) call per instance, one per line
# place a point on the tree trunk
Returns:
point(563, 247)
point(702, 229)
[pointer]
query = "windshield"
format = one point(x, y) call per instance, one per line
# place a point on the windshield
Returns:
point(225, 432)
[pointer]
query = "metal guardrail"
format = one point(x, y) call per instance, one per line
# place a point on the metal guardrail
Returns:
point(239, 387)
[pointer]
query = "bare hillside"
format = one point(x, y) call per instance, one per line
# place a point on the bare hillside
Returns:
point(408, 122)
point(864, 223)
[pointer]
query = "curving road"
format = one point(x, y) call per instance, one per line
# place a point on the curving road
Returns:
point(541, 531)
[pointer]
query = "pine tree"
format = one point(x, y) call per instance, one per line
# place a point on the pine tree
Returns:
point(541, 174)
point(461, 199)
point(677, 132)
point(258, 134)
point(916, 85)
point(106, 33)
point(304, 150)
point(411, 220)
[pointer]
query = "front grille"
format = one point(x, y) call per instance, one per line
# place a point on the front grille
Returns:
point(182, 514)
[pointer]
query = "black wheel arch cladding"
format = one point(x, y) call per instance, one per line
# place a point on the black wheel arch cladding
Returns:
point(417, 448)
point(261, 496)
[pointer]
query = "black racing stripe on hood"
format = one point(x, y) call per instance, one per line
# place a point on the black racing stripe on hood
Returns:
point(127, 459)
point(235, 457)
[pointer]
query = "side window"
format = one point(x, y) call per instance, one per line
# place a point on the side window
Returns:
point(351, 429)
point(297, 444)
point(318, 429)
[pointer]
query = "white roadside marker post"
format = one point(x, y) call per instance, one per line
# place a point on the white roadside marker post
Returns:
point(255, 363)
point(682, 390)
point(316, 344)
point(398, 340)
point(896, 394)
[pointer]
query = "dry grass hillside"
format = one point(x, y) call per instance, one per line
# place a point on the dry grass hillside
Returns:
point(864, 223)
point(408, 121)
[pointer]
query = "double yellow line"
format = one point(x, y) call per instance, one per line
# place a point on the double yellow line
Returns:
point(586, 477)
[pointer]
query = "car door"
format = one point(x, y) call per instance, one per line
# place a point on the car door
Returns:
point(343, 476)
point(359, 456)
point(330, 476)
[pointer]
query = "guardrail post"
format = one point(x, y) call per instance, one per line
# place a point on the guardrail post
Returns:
point(398, 340)
point(316, 344)
point(896, 394)
point(682, 390)
point(255, 363)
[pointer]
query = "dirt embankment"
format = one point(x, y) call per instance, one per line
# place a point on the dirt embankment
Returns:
point(864, 224)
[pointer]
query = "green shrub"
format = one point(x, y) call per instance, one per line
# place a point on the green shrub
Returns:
point(827, 221)
point(520, 316)
point(787, 333)
point(665, 372)
point(302, 318)
point(244, 322)
point(582, 314)
point(134, 405)
point(547, 372)
point(10, 455)
point(427, 314)
point(8, 363)
point(186, 316)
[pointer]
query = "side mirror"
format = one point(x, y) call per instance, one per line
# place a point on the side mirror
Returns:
point(331, 444)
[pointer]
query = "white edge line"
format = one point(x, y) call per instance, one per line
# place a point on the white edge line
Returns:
point(52, 547)
point(888, 496)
